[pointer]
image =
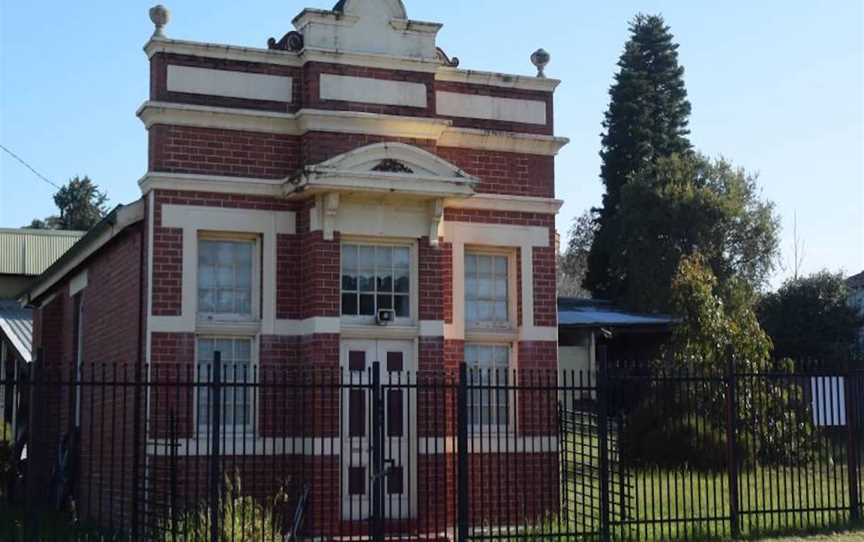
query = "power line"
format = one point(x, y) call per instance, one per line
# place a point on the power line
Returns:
point(28, 166)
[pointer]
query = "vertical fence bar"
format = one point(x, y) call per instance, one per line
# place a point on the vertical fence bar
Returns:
point(851, 390)
point(462, 451)
point(732, 445)
point(603, 439)
point(378, 474)
point(216, 412)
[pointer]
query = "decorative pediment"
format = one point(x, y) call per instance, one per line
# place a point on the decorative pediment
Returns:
point(395, 168)
point(378, 27)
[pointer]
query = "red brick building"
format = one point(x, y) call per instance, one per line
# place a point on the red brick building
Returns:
point(297, 199)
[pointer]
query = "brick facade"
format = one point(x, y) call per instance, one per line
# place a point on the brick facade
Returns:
point(305, 332)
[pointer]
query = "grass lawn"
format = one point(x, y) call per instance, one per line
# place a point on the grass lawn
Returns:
point(684, 505)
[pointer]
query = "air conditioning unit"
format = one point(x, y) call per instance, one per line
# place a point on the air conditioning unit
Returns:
point(385, 317)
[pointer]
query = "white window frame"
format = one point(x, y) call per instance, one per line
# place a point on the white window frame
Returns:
point(497, 428)
point(248, 431)
point(255, 240)
point(413, 274)
point(512, 290)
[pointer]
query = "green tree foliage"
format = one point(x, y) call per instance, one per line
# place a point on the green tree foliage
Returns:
point(681, 205)
point(809, 318)
point(81, 204)
point(573, 263)
point(647, 119)
point(670, 428)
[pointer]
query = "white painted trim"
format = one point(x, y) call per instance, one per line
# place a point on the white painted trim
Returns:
point(281, 327)
point(498, 140)
point(496, 235)
point(126, 216)
point(476, 106)
point(494, 79)
point(503, 202)
point(373, 332)
point(221, 52)
point(372, 91)
point(305, 120)
point(460, 234)
point(309, 54)
point(309, 326)
point(538, 333)
point(380, 183)
point(78, 283)
point(441, 130)
point(233, 84)
point(154, 180)
point(193, 219)
point(431, 328)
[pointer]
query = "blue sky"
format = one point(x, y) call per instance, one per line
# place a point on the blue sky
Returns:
point(777, 87)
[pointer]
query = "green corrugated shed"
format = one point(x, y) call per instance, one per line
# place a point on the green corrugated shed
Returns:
point(30, 252)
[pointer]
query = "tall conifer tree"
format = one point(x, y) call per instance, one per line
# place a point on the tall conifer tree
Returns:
point(647, 119)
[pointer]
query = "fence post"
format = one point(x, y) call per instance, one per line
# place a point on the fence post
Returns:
point(34, 424)
point(140, 390)
point(216, 417)
point(462, 457)
point(378, 474)
point(851, 392)
point(603, 439)
point(732, 443)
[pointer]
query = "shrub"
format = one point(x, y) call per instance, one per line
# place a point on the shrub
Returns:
point(241, 517)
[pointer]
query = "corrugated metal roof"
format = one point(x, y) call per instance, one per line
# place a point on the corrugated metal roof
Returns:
point(593, 313)
point(30, 252)
point(856, 281)
point(16, 324)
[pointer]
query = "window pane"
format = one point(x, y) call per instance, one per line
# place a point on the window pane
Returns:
point(486, 289)
point(385, 302)
point(383, 259)
point(403, 306)
point(238, 376)
point(367, 305)
point(377, 272)
point(349, 282)
point(403, 283)
point(349, 304)
point(401, 258)
point(385, 282)
point(225, 277)
point(367, 282)
point(488, 406)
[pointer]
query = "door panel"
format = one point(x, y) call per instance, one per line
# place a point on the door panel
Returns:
point(397, 366)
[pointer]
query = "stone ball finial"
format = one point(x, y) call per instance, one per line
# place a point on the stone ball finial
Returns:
point(160, 16)
point(540, 58)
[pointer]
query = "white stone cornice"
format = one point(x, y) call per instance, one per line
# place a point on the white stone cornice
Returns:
point(369, 60)
point(315, 120)
point(520, 82)
point(503, 202)
point(154, 180)
point(496, 140)
point(221, 52)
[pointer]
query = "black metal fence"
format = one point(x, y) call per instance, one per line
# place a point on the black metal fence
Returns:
point(227, 451)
